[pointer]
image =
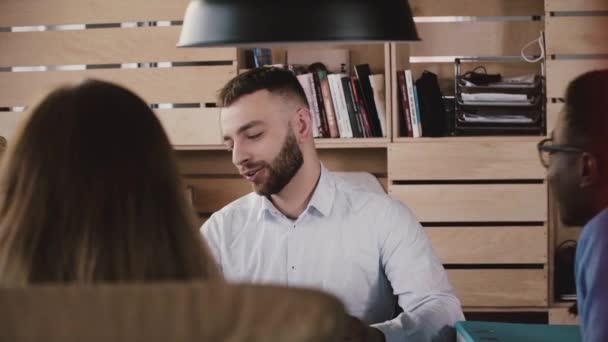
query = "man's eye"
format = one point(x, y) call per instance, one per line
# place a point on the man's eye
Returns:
point(254, 136)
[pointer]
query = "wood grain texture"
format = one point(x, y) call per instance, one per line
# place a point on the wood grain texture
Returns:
point(553, 110)
point(562, 316)
point(33, 12)
point(500, 287)
point(474, 202)
point(425, 8)
point(466, 160)
point(9, 123)
point(561, 72)
point(102, 46)
point(484, 38)
point(343, 160)
point(576, 35)
point(155, 85)
point(191, 126)
point(490, 245)
point(575, 5)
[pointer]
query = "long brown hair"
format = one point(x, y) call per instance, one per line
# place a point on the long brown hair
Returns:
point(90, 192)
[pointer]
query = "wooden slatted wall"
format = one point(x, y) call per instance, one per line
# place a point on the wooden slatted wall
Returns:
point(482, 200)
point(577, 42)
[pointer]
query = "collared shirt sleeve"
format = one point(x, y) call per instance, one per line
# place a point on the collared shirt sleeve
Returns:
point(212, 233)
point(430, 306)
point(592, 279)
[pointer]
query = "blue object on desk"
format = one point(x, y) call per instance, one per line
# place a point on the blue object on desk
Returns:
point(472, 331)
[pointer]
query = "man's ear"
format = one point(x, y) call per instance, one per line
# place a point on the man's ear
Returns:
point(588, 169)
point(303, 124)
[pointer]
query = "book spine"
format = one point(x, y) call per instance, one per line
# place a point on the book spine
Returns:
point(405, 105)
point(333, 89)
point(307, 84)
point(345, 118)
point(323, 127)
point(362, 110)
point(412, 103)
point(377, 83)
point(366, 96)
point(418, 114)
point(329, 106)
point(350, 106)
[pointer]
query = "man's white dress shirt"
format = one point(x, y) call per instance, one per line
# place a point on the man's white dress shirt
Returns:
point(363, 247)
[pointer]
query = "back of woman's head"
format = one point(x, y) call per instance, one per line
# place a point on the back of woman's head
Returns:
point(90, 192)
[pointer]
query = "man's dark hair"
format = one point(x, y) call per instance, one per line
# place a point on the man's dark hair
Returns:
point(276, 80)
point(586, 110)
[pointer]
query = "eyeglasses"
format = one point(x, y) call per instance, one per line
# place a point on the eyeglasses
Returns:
point(546, 149)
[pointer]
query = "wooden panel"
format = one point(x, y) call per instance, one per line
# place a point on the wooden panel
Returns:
point(553, 110)
point(476, 7)
point(102, 46)
point(490, 245)
point(497, 287)
point(561, 72)
point(192, 126)
point(486, 38)
point(9, 122)
point(576, 35)
point(562, 316)
point(206, 163)
point(155, 85)
point(576, 5)
point(467, 160)
point(220, 163)
point(212, 194)
point(34, 12)
point(474, 202)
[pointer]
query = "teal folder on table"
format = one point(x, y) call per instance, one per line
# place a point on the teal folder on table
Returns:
point(472, 331)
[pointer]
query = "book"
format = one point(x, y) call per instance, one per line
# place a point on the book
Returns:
point(417, 102)
point(405, 106)
point(416, 133)
point(367, 128)
point(335, 86)
point(377, 83)
point(308, 84)
point(351, 107)
point(473, 331)
point(262, 57)
point(323, 125)
point(329, 106)
point(363, 72)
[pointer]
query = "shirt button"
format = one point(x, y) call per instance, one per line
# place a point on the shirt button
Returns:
point(293, 267)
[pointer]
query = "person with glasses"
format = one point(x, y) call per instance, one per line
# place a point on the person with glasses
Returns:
point(576, 158)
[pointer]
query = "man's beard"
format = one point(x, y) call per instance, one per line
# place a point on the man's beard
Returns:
point(283, 168)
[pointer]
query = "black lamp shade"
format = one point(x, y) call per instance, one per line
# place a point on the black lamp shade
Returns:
point(209, 23)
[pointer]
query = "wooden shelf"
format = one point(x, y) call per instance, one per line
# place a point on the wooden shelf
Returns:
point(471, 138)
point(321, 143)
point(352, 142)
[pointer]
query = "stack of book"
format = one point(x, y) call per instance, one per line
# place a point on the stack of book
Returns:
point(344, 106)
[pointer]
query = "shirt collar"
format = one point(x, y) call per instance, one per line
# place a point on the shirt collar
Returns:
point(322, 198)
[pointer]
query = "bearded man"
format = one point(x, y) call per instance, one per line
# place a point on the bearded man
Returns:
point(303, 226)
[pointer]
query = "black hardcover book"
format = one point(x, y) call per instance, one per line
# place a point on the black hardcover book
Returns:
point(367, 93)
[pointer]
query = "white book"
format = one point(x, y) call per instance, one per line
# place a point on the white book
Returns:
point(308, 84)
point(343, 107)
point(412, 100)
point(377, 82)
point(339, 105)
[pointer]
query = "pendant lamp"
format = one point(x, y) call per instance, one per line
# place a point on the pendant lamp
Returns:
point(255, 23)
